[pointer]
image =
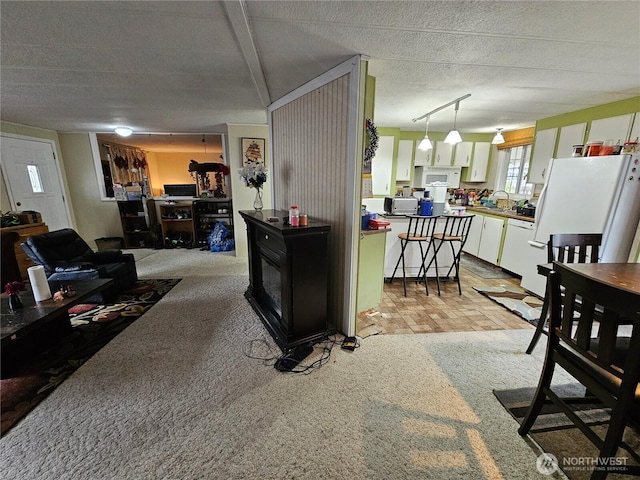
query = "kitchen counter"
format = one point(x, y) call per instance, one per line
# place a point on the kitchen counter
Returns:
point(499, 213)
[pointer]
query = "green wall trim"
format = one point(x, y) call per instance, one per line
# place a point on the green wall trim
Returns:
point(607, 110)
point(370, 271)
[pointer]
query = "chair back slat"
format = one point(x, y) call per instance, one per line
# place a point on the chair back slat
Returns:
point(574, 247)
point(575, 302)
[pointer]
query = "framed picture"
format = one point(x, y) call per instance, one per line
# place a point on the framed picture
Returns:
point(253, 151)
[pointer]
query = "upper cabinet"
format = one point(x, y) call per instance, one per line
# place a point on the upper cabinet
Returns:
point(381, 166)
point(423, 158)
point(544, 145)
point(570, 136)
point(462, 157)
point(612, 128)
point(443, 154)
point(403, 166)
point(480, 163)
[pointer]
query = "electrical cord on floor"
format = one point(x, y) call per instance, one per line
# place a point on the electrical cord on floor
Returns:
point(326, 344)
point(272, 358)
point(249, 348)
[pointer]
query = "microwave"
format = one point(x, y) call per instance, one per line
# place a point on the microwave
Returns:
point(428, 175)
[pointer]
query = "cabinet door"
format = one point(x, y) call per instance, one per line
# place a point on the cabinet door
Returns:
point(543, 147)
point(635, 131)
point(405, 153)
point(381, 166)
point(612, 128)
point(423, 158)
point(569, 136)
point(443, 154)
point(475, 232)
point(490, 240)
point(480, 162)
point(462, 157)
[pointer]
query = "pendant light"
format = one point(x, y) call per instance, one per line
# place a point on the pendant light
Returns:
point(498, 139)
point(454, 136)
point(425, 143)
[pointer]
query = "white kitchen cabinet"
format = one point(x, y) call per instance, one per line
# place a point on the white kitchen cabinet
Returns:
point(480, 162)
point(443, 154)
point(492, 230)
point(569, 136)
point(403, 165)
point(473, 239)
point(381, 166)
point(462, 156)
point(422, 158)
point(543, 149)
point(612, 128)
point(635, 131)
point(413, 259)
point(485, 237)
point(516, 239)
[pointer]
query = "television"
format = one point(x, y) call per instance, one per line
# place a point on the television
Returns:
point(181, 190)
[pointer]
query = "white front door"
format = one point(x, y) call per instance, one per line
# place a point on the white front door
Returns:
point(33, 180)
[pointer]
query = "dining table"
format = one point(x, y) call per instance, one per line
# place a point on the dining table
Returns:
point(623, 276)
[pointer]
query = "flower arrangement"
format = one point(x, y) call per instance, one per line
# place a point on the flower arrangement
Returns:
point(254, 174)
point(12, 288)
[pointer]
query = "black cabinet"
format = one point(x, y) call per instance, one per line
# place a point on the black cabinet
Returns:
point(137, 217)
point(206, 213)
point(288, 276)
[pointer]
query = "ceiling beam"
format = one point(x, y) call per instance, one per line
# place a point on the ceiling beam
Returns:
point(237, 16)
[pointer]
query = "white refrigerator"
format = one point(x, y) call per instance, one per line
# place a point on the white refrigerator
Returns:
point(586, 195)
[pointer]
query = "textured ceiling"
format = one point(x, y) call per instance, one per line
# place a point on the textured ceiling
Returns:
point(194, 67)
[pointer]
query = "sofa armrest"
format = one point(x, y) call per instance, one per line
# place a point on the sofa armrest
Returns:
point(106, 256)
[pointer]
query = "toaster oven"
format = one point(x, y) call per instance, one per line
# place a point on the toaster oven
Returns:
point(401, 205)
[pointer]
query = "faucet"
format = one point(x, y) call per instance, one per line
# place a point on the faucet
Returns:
point(508, 197)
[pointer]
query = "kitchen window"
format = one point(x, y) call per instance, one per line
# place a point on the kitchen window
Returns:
point(516, 168)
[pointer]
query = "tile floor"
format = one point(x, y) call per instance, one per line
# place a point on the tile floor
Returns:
point(449, 312)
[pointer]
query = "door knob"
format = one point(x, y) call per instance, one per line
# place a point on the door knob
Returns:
point(18, 204)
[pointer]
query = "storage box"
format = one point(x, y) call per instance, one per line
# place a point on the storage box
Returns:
point(109, 243)
point(27, 216)
point(134, 193)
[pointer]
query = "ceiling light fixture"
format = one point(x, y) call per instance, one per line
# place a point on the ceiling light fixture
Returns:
point(425, 143)
point(124, 131)
point(454, 136)
point(498, 139)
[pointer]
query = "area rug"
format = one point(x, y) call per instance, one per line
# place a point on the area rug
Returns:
point(516, 300)
point(481, 268)
point(94, 325)
point(555, 434)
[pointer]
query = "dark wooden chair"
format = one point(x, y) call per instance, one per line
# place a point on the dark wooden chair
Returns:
point(566, 248)
point(420, 231)
point(455, 233)
point(574, 303)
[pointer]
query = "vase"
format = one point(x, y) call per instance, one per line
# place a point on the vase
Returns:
point(14, 302)
point(257, 202)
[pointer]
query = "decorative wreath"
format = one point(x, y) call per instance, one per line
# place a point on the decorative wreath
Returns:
point(372, 131)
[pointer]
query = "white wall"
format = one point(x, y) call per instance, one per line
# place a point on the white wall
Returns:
point(94, 218)
point(241, 194)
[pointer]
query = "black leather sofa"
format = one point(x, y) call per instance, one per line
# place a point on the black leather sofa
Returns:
point(67, 258)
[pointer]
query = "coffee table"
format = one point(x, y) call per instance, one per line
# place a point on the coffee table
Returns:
point(28, 331)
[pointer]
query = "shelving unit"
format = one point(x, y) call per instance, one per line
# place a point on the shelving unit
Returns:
point(206, 213)
point(137, 217)
point(177, 225)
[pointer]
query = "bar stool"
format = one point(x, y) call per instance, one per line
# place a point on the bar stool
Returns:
point(420, 230)
point(456, 231)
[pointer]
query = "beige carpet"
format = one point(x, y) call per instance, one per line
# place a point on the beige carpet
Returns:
point(175, 397)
